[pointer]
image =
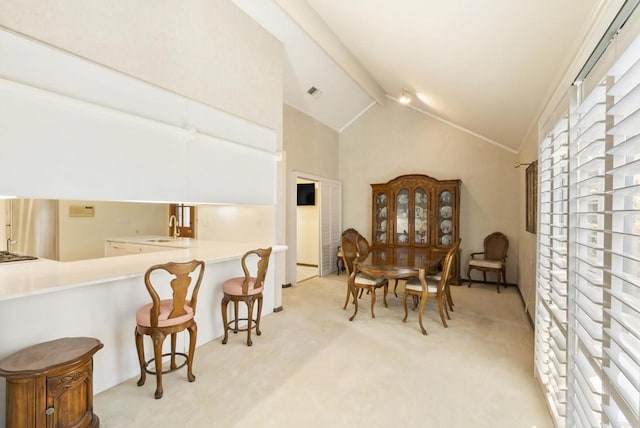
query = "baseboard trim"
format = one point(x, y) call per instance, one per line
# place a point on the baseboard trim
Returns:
point(307, 265)
point(287, 285)
point(278, 309)
point(466, 281)
point(524, 306)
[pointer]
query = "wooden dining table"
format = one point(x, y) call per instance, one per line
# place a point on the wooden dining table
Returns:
point(396, 263)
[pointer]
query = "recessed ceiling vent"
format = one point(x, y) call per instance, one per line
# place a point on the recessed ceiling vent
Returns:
point(314, 92)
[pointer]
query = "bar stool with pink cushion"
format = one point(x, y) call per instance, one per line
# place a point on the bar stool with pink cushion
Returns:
point(171, 316)
point(246, 289)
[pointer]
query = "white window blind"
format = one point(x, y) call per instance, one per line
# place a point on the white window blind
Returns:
point(621, 359)
point(588, 357)
point(551, 297)
point(587, 186)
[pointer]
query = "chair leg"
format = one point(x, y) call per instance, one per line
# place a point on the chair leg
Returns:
point(174, 337)
point(498, 281)
point(354, 293)
point(158, 339)
point(395, 287)
point(225, 324)
point(449, 298)
point(373, 300)
point(249, 319)
point(446, 309)
point(140, 348)
point(484, 276)
point(404, 303)
point(423, 302)
point(346, 300)
point(235, 314)
point(193, 334)
point(442, 309)
point(469, 276)
point(258, 332)
point(384, 296)
point(446, 300)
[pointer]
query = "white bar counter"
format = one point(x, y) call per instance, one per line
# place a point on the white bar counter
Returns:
point(42, 300)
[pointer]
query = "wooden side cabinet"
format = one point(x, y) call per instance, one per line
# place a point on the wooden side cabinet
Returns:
point(51, 384)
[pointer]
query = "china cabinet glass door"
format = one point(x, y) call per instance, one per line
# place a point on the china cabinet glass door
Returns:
point(444, 216)
point(402, 217)
point(381, 224)
point(421, 216)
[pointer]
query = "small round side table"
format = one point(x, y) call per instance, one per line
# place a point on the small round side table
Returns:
point(51, 384)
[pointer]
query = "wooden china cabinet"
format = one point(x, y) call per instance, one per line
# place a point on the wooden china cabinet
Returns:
point(417, 211)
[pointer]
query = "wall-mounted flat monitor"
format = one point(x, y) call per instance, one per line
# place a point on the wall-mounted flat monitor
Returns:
point(306, 194)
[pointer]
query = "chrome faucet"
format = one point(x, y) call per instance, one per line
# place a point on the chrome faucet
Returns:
point(173, 220)
point(9, 243)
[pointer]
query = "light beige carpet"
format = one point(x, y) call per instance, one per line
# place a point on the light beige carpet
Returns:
point(313, 368)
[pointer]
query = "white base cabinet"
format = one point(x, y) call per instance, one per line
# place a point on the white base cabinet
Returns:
point(112, 248)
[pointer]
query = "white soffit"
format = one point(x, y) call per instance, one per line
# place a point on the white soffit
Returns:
point(306, 65)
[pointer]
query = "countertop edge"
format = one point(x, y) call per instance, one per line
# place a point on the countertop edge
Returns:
point(30, 278)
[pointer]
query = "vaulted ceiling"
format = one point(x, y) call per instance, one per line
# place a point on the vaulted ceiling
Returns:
point(488, 66)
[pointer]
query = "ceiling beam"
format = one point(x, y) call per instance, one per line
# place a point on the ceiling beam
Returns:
point(311, 23)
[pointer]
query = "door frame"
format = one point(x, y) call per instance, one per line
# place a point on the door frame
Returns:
point(292, 221)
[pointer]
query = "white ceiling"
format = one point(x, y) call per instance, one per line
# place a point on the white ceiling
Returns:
point(488, 66)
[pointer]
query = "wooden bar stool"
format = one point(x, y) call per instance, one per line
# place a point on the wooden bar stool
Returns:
point(246, 289)
point(163, 317)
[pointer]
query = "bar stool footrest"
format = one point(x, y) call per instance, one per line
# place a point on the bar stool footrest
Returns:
point(252, 324)
point(169, 370)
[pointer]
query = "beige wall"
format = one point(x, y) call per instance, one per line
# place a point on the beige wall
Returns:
point(311, 150)
point(83, 237)
point(392, 140)
point(311, 146)
point(527, 251)
point(236, 223)
point(208, 50)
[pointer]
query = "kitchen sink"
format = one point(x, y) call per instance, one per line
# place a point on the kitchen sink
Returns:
point(158, 240)
point(6, 256)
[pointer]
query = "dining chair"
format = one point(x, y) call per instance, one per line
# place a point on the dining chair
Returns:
point(246, 289)
point(415, 288)
point(435, 278)
point(361, 280)
point(352, 235)
point(339, 263)
point(362, 247)
point(168, 317)
point(494, 258)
